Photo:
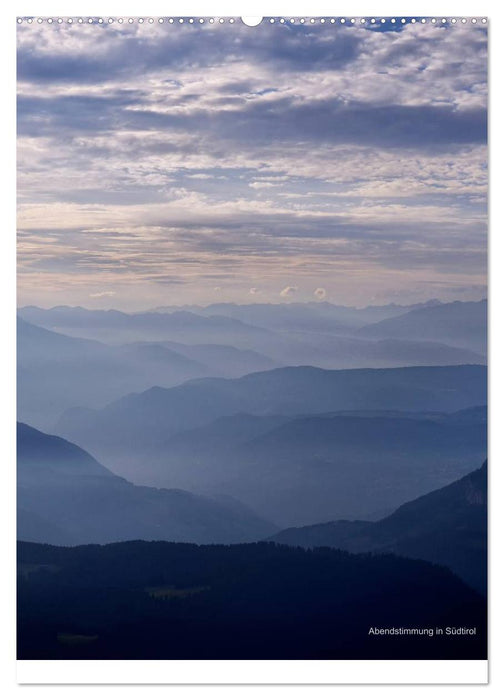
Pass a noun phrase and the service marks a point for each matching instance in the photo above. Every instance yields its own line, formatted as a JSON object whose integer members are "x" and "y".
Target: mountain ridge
{"x": 63, "y": 485}
{"x": 447, "y": 526}
{"x": 463, "y": 324}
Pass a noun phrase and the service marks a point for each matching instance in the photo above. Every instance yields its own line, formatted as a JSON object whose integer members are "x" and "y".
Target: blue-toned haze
{"x": 174, "y": 164}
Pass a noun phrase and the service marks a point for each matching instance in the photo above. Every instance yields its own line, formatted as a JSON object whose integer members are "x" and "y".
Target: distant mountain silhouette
{"x": 56, "y": 372}
{"x": 224, "y": 360}
{"x": 159, "y": 600}
{"x": 66, "y": 496}
{"x": 463, "y": 324}
{"x": 447, "y": 526}
{"x": 320, "y": 316}
{"x": 133, "y": 434}
{"x": 36, "y": 344}
{"x": 342, "y": 351}
{"x": 317, "y": 334}
{"x": 299, "y": 470}
{"x": 117, "y": 326}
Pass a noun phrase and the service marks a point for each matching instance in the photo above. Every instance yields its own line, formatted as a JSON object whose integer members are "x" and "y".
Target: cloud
{"x": 288, "y": 291}
{"x": 320, "y": 293}
{"x": 98, "y": 295}
{"x": 208, "y": 155}
{"x": 62, "y": 56}
{"x": 331, "y": 120}
{"x": 262, "y": 185}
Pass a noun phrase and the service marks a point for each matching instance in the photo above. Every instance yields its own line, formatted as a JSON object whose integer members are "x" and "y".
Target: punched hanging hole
{"x": 252, "y": 21}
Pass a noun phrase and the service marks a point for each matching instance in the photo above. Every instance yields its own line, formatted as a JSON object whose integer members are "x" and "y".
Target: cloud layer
{"x": 195, "y": 163}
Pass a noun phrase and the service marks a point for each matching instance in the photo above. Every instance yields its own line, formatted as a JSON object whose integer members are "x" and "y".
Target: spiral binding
{"x": 366, "y": 21}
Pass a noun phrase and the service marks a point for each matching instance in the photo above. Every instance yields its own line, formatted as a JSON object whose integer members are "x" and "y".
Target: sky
{"x": 198, "y": 163}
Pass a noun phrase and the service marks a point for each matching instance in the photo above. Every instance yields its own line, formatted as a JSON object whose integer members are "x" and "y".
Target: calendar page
{"x": 252, "y": 349}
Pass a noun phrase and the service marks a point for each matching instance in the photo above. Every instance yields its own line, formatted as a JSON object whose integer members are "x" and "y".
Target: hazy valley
{"x": 310, "y": 425}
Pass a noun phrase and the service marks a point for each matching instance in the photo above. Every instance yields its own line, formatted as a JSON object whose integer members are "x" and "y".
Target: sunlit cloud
{"x": 288, "y": 292}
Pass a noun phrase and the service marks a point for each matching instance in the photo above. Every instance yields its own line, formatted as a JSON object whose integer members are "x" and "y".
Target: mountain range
{"x": 320, "y": 316}
{"x": 142, "y": 437}
{"x": 57, "y": 371}
{"x": 320, "y": 334}
{"x": 447, "y": 526}
{"x": 295, "y": 470}
{"x": 66, "y": 497}
{"x": 119, "y": 327}
{"x": 462, "y": 324}
{"x": 350, "y": 433}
